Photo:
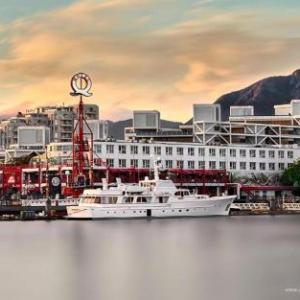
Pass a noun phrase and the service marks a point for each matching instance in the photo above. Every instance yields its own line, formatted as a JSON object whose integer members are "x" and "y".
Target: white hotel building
{"x": 245, "y": 145}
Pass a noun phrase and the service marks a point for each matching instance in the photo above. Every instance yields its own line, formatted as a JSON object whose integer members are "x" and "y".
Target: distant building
{"x": 147, "y": 126}
{"x": 9, "y": 130}
{"x": 18, "y": 133}
{"x": 29, "y": 139}
{"x": 99, "y": 129}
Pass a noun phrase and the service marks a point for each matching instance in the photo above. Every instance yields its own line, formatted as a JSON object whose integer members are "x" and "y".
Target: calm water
{"x": 255, "y": 257}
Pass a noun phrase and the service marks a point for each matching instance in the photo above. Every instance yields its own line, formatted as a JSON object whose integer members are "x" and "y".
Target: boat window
{"x": 163, "y": 199}
{"x": 112, "y": 200}
{"x": 141, "y": 199}
{"x": 182, "y": 193}
{"x": 90, "y": 200}
{"x": 128, "y": 199}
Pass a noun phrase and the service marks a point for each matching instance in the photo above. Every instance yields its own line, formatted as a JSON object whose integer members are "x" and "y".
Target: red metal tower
{"x": 82, "y": 163}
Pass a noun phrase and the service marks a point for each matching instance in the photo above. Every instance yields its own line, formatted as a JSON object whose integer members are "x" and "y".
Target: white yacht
{"x": 150, "y": 198}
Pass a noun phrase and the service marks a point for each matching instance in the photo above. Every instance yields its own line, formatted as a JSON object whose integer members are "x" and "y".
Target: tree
{"x": 291, "y": 175}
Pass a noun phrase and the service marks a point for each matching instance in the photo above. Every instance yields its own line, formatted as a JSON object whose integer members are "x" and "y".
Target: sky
{"x": 142, "y": 54}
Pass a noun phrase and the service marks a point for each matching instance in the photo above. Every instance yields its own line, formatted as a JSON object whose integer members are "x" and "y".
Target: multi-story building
{"x": 240, "y": 160}
{"x": 59, "y": 119}
{"x": 9, "y": 130}
{"x": 245, "y": 145}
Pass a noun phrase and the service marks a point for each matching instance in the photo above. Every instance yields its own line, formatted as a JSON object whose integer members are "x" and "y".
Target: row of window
{"x": 233, "y": 165}
{"x": 191, "y": 151}
{"x": 181, "y": 151}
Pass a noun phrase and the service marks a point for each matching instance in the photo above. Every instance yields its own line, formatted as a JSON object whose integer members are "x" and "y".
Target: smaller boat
{"x": 150, "y": 198}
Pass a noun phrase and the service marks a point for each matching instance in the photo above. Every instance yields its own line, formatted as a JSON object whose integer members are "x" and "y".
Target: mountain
{"x": 264, "y": 94}
{"x": 116, "y": 129}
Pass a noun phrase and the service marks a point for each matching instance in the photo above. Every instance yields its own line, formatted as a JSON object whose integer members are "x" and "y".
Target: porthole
{"x": 179, "y": 210}
{"x": 187, "y": 210}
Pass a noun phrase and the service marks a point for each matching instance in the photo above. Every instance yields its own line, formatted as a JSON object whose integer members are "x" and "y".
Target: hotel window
{"x": 281, "y": 166}
{"x": 201, "y": 164}
{"x": 271, "y": 166}
{"x": 157, "y": 150}
{"x": 222, "y": 152}
{"x": 271, "y": 153}
{"x": 169, "y": 151}
{"x": 110, "y": 162}
{"x": 191, "y": 164}
{"x": 242, "y": 153}
{"x": 169, "y": 164}
{"x": 242, "y": 165}
{"x": 290, "y": 154}
{"x": 146, "y": 163}
{"x": 232, "y": 152}
{"x": 262, "y": 166}
{"x": 252, "y": 153}
{"x": 133, "y": 149}
{"x": 262, "y": 153}
{"x": 232, "y": 165}
{"x": 179, "y": 151}
{"x": 122, "y": 149}
{"x": 252, "y": 166}
{"x": 98, "y": 148}
{"x": 122, "y": 163}
{"x": 179, "y": 164}
{"x": 134, "y": 163}
{"x": 191, "y": 151}
{"x": 146, "y": 150}
{"x": 222, "y": 165}
{"x": 281, "y": 154}
{"x": 212, "y": 165}
{"x": 212, "y": 152}
{"x": 289, "y": 165}
{"x": 201, "y": 151}
{"x": 110, "y": 149}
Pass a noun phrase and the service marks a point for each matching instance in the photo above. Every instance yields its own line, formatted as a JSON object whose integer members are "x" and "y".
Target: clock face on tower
{"x": 55, "y": 181}
{"x": 81, "y": 84}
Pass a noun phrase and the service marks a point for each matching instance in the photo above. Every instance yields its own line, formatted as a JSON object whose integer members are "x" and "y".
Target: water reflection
{"x": 208, "y": 258}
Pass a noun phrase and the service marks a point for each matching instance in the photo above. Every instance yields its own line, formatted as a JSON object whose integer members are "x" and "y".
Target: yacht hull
{"x": 214, "y": 206}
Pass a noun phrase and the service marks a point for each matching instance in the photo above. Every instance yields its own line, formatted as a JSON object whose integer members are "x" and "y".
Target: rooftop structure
{"x": 238, "y": 111}
{"x": 207, "y": 112}
{"x": 147, "y": 126}
{"x": 244, "y": 128}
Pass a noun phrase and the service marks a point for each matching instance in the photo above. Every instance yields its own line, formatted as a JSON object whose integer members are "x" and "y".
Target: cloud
{"x": 137, "y": 59}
